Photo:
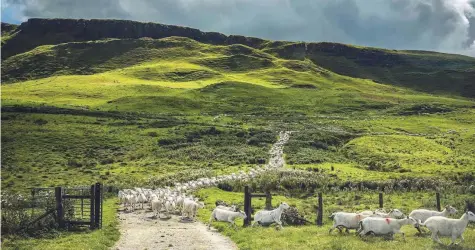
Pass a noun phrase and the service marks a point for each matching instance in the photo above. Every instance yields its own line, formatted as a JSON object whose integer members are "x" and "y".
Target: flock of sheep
{"x": 381, "y": 223}
{"x": 177, "y": 199}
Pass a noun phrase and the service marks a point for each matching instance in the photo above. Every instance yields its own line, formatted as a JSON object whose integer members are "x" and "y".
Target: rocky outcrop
{"x": 8, "y": 28}
{"x": 36, "y": 31}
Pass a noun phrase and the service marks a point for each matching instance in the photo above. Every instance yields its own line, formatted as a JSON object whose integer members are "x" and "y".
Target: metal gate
{"x": 80, "y": 206}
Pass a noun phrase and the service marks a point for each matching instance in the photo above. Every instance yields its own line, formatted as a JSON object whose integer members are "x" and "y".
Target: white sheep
{"x": 225, "y": 215}
{"x": 156, "y": 206}
{"x": 443, "y": 226}
{"x": 382, "y": 226}
{"x": 190, "y": 207}
{"x": 394, "y": 213}
{"x": 424, "y": 214}
{"x": 265, "y": 217}
{"x": 367, "y": 212}
{"x": 231, "y": 208}
{"x": 346, "y": 220}
{"x": 170, "y": 206}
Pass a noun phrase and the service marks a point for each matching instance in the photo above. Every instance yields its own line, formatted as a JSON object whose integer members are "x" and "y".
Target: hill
{"x": 126, "y": 102}
{"x": 430, "y": 72}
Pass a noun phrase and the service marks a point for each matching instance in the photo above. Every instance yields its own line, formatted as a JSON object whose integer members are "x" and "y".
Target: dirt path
{"x": 139, "y": 231}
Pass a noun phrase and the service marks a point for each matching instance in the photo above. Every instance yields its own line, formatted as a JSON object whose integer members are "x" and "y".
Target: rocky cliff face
{"x": 37, "y": 32}
{"x": 8, "y": 28}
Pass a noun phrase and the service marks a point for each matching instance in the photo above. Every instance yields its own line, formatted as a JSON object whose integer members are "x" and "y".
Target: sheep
{"x": 231, "y": 208}
{"x": 225, "y": 215}
{"x": 440, "y": 225}
{"x": 380, "y": 226}
{"x": 131, "y": 201}
{"x": 394, "y": 213}
{"x": 156, "y": 206}
{"x": 265, "y": 217}
{"x": 170, "y": 206}
{"x": 190, "y": 207}
{"x": 346, "y": 220}
{"x": 367, "y": 213}
{"x": 141, "y": 198}
{"x": 423, "y": 214}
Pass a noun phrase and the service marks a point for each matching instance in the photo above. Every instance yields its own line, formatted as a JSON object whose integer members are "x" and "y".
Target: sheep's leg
{"x": 347, "y": 230}
{"x": 209, "y": 223}
{"x": 418, "y": 227}
{"x": 362, "y": 233}
{"x": 435, "y": 237}
{"x": 461, "y": 239}
{"x": 454, "y": 238}
{"x": 331, "y": 229}
{"x": 280, "y": 224}
{"x": 256, "y": 223}
{"x": 403, "y": 235}
{"x": 232, "y": 223}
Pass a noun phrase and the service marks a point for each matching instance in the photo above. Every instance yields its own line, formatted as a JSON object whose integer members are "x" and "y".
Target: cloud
{"x": 441, "y": 25}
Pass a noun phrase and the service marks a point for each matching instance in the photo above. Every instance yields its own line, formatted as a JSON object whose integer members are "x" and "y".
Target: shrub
{"x": 291, "y": 216}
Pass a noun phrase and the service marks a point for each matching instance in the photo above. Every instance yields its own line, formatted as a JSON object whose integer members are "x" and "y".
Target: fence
{"x": 248, "y": 200}
{"x": 70, "y": 206}
{"x": 319, "y": 209}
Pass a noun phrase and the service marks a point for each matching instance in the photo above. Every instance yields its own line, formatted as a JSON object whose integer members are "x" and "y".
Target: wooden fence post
{"x": 247, "y": 206}
{"x": 320, "y": 210}
{"x": 91, "y": 211}
{"x": 268, "y": 201}
{"x": 97, "y": 205}
{"x": 381, "y": 200}
{"x": 59, "y": 206}
{"x": 437, "y": 197}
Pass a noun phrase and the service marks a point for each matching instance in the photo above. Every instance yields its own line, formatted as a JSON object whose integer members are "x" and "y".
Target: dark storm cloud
{"x": 443, "y": 25}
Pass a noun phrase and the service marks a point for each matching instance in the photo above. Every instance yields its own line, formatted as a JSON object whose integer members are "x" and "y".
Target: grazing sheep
{"x": 346, "y": 220}
{"x": 265, "y": 217}
{"x": 443, "y": 226}
{"x": 424, "y": 214}
{"x": 381, "y": 226}
{"x": 225, "y": 215}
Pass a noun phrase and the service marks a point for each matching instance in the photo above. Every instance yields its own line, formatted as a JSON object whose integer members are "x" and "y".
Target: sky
{"x": 438, "y": 25}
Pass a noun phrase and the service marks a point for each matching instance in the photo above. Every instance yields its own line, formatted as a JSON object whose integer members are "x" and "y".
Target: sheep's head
{"x": 451, "y": 209}
{"x": 471, "y": 216}
{"x": 284, "y": 205}
{"x": 396, "y": 213}
{"x": 411, "y": 220}
{"x": 201, "y": 204}
{"x": 242, "y": 215}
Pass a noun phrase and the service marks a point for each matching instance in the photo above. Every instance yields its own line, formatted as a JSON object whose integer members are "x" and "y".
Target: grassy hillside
{"x": 124, "y": 110}
{"x": 128, "y": 110}
{"x": 32, "y": 42}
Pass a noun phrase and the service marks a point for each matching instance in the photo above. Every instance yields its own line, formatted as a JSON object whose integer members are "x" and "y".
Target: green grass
{"x": 313, "y": 237}
{"x": 148, "y": 112}
{"x": 96, "y": 239}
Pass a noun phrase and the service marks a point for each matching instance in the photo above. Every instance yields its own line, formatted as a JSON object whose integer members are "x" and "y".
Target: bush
{"x": 16, "y": 215}
{"x": 292, "y": 217}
